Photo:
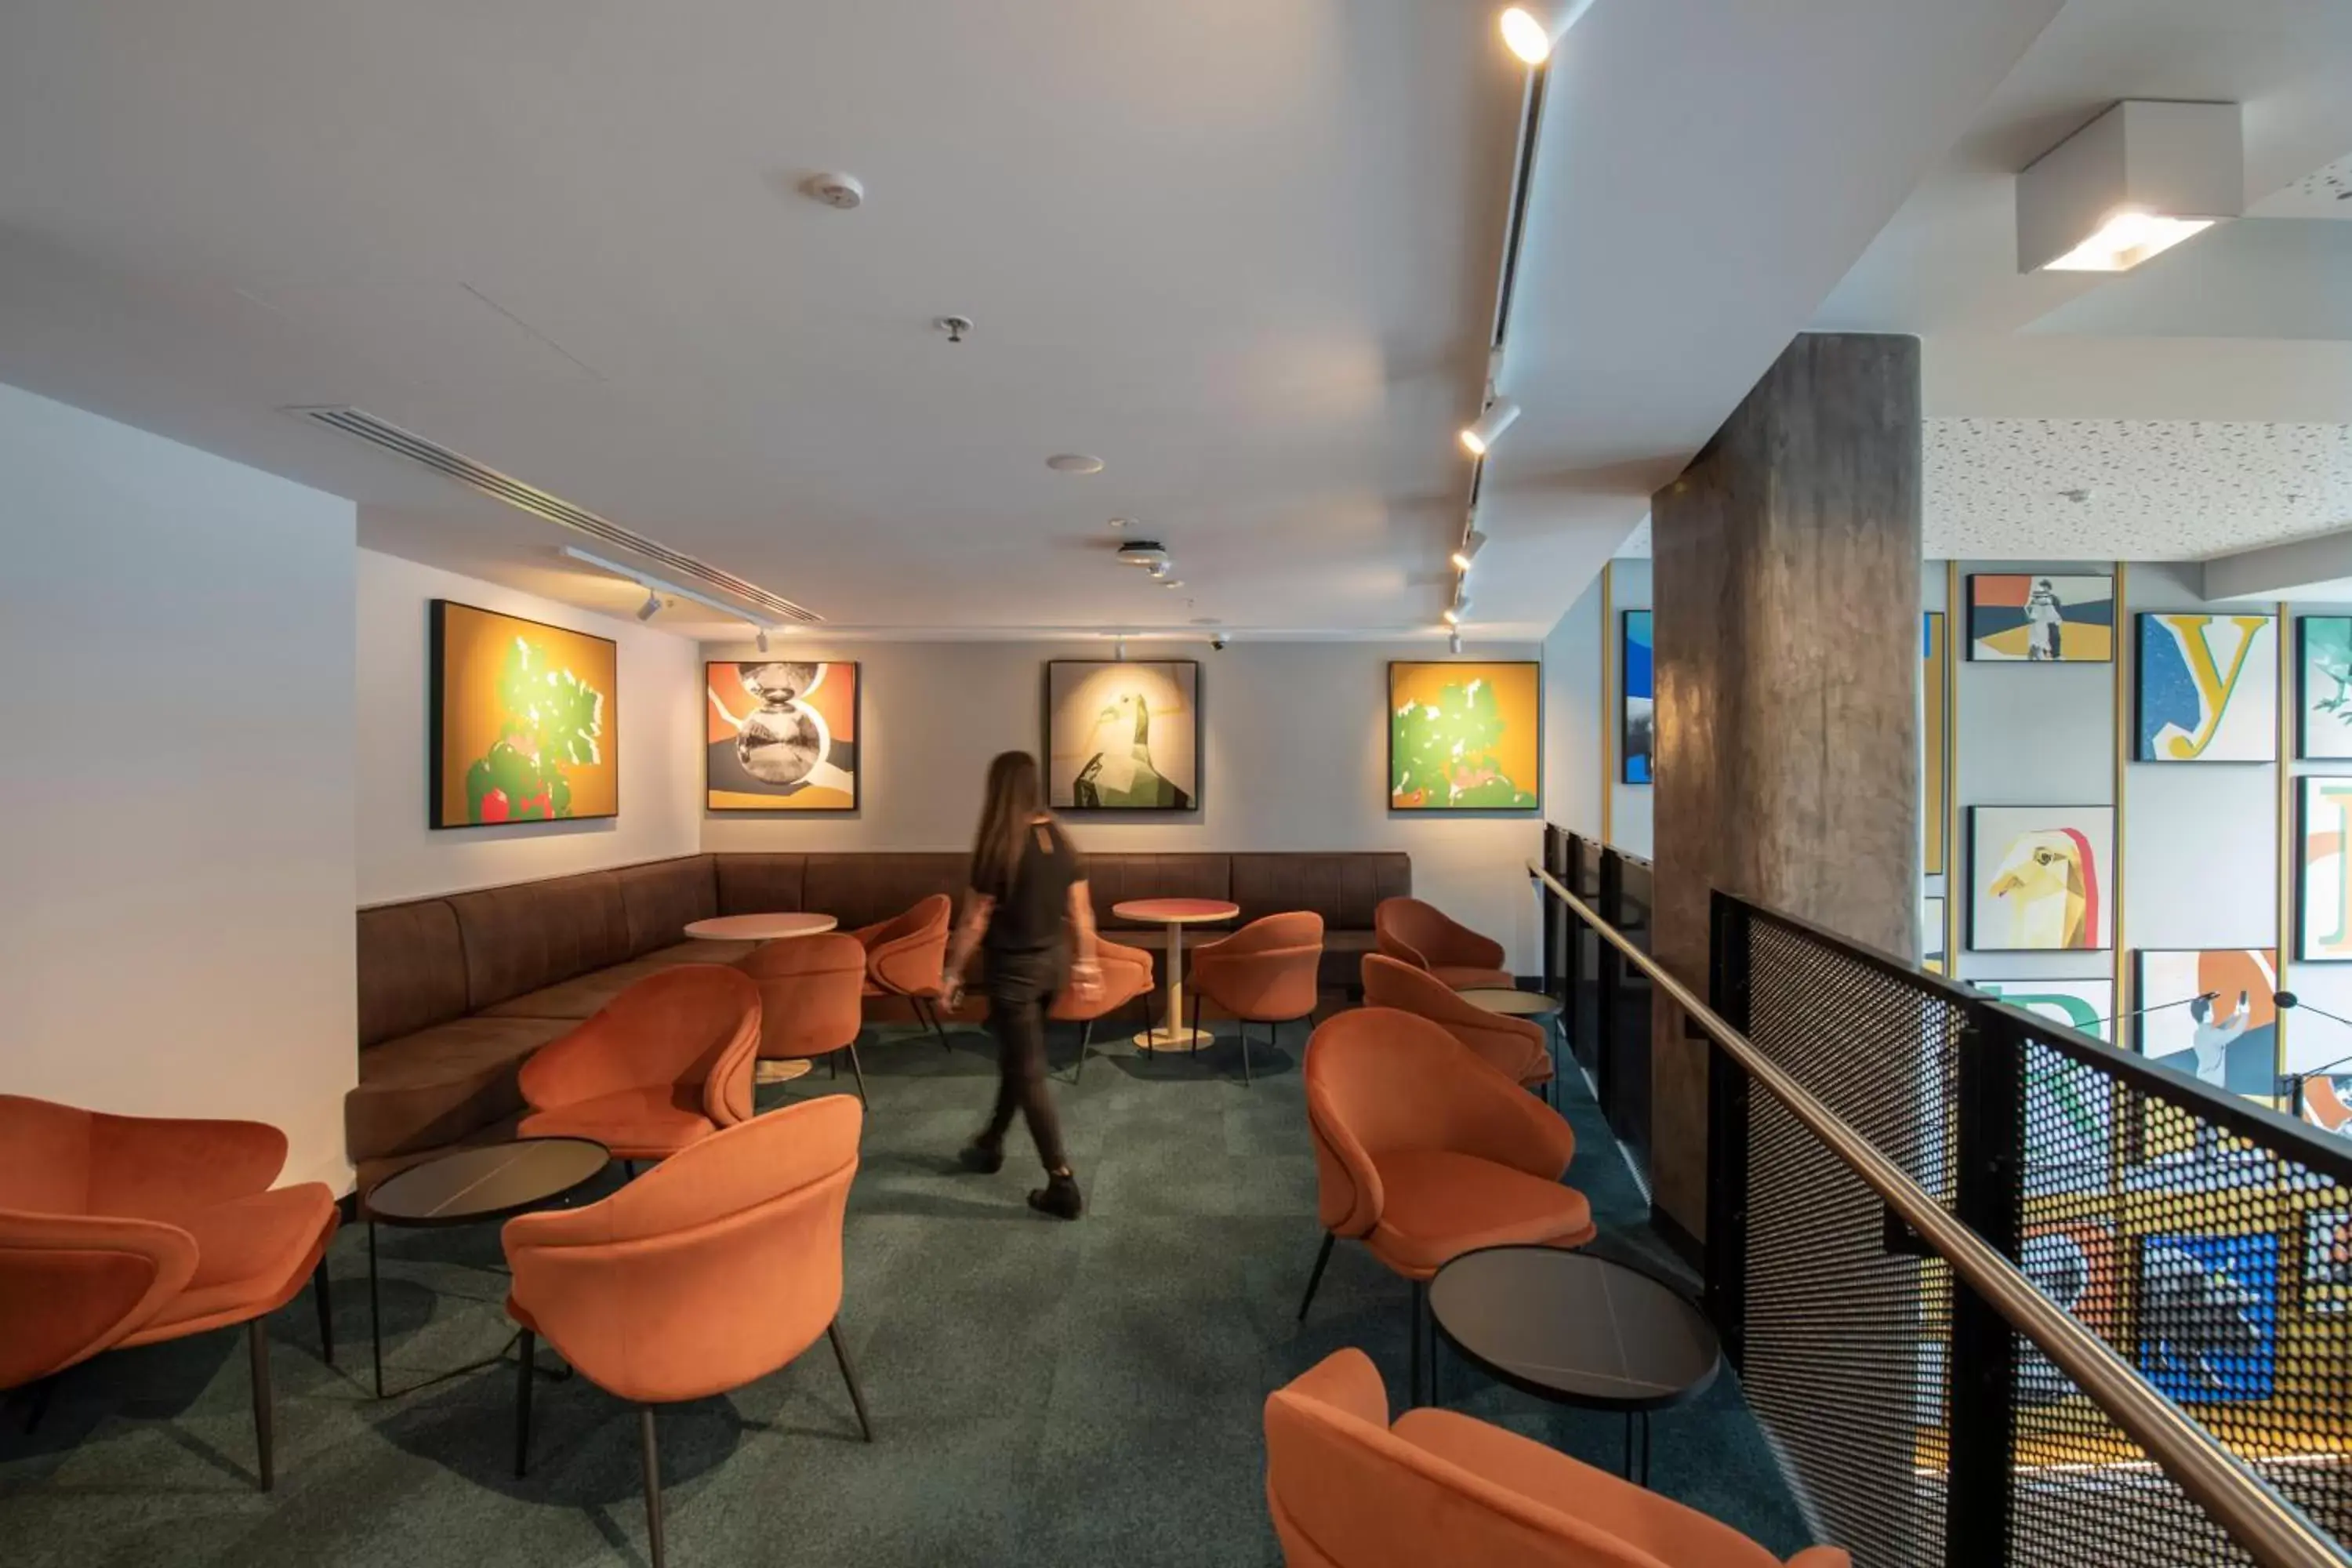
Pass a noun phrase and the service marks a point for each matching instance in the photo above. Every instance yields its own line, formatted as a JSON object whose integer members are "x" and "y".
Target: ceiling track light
{"x": 1533, "y": 31}
{"x": 1500, "y": 415}
{"x": 1454, "y": 641}
{"x": 1472, "y": 542}
{"x": 656, "y": 587}
{"x": 651, "y": 607}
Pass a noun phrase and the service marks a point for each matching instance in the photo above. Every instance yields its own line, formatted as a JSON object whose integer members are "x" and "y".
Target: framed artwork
{"x": 522, "y": 719}
{"x": 2209, "y": 1317}
{"x": 2208, "y": 689}
{"x": 2028, "y": 618}
{"x": 2083, "y": 1004}
{"x": 1465, "y": 735}
{"x": 2230, "y": 1042}
{"x": 1123, "y": 734}
{"x": 2038, "y": 878}
{"x": 1934, "y": 746}
{"x": 1931, "y": 935}
{"x": 2078, "y": 1265}
{"x": 2326, "y": 1260}
{"x": 1638, "y": 679}
{"x": 780, "y": 735}
{"x": 2323, "y": 661}
{"x": 2323, "y": 893}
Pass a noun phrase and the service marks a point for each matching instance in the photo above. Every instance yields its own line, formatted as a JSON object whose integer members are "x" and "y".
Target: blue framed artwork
{"x": 2209, "y": 1317}
{"x": 1637, "y": 677}
{"x": 2208, "y": 689}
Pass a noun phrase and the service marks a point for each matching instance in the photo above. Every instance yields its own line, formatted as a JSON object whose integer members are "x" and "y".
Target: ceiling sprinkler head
{"x": 956, "y": 327}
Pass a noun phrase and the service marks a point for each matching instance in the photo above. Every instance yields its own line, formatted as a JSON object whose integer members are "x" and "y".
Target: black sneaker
{"x": 1059, "y": 1197}
{"x": 984, "y": 1156}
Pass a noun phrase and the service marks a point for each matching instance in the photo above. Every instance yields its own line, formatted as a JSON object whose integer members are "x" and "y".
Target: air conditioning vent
{"x": 400, "y": 443}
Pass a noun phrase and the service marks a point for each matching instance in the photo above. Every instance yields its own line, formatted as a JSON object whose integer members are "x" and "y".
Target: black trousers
{"x": 1021, "y": 987}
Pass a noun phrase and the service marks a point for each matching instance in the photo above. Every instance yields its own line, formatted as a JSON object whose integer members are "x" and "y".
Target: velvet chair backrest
{"x": 1126, "y": 974}
{"x": 1266, "y": 970}
{"x": 905, "y": 955}
{"x": 1393, "y": 982}
{"x": 1359, "y": 1496}
{"x": 812, "y": 993}
{"x": 1424, "y": 936}
{"x": 712, "y": 1269}
{"x": 696, "y": 1024}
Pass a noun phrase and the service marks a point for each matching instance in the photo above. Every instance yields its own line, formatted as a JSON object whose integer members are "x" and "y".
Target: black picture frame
{"x": 2140, "y": 700}
{"x": 435, "y": 729}
{"x": 2303, "y": 752}
{"x": 1191, "y": 808}
{"x": 857, "y": 723}
{"x": 1625, "y": 698}
{"x": 1387, "y": 724}
{"x": 1968, "y": 617}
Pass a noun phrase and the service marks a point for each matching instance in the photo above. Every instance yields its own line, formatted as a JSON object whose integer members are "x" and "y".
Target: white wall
{"x": 1295, "y": 756}
{"x": 660, "y": 711}
{"x": 1581, "y": 705}
{"x": 176, "y": 781}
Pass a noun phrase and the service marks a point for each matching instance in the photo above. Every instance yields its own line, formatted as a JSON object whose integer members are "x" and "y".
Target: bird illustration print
{"x": 2052, "y": 884}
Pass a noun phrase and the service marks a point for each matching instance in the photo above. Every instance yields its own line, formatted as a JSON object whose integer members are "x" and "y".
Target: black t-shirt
{"x": 1029, "y": 914}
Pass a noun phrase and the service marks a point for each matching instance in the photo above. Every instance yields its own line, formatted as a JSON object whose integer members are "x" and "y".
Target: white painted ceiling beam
{"x": 2300, "y": 568}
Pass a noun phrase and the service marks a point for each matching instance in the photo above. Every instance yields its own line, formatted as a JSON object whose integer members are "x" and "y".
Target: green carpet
{"x": 1043, "y": 1392}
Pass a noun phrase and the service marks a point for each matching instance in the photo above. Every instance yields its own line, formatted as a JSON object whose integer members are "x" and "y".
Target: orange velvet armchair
{"x": 127, "y": 1230}
{"x": 1513, "y": 1047}
{"x": 666, "y": 1064}
{"x": 1126, "y": 976}
{"x": 711, "y": 1271}
{"x": 1262, "y": 973}
{"x": 1422, "y": 935}
{"x": 812, "y": 998}
{"x": 904, "y": 956}
{"x": 1348, "y": 1490}
{"x": 1422, "y": 1152}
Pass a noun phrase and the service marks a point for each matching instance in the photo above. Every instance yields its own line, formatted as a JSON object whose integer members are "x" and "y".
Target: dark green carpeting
{"x": 1041, "y": 1392}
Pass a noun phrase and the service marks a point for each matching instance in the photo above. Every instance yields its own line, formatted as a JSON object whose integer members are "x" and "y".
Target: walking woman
{"x": 1030, "y": 913}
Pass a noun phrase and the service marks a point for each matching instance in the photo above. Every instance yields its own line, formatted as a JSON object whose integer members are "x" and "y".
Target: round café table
{"x": 1175, "y": 914}
{"x": 1577, "y": 1330}
{"x": 473, "y": 1186}
{"x": 777, "y": 927}
{"x": 1512, "y": 1003}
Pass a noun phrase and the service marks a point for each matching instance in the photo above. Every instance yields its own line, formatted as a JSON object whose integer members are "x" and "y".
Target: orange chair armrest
{"x": 145, "y": 1165}
{"x": 1344, "y": 1380}
{"x": 1350, "y": 1195}
{"x": 1505, "y": 1124}
{"x": 911, "y": 965}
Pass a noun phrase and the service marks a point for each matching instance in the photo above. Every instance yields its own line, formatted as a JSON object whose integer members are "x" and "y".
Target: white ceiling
{"x": 1242, "y": 249}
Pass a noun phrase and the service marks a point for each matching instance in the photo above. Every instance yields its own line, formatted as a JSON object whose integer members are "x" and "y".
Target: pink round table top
{"x": 1176, "y": 911}
{"x": 759, "y": 928}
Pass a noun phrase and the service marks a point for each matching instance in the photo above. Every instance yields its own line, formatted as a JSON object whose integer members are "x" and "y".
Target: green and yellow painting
{"x": 524, "y": 725}
{"x": 1466, "y": 736}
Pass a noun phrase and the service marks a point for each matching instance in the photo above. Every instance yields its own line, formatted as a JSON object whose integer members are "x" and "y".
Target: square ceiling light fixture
{"x": 2136, "y": 181}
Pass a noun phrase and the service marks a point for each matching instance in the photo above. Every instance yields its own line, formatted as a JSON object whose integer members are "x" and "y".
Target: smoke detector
{"x": 843, "y": 191}
{"x": 1146, "y": 554}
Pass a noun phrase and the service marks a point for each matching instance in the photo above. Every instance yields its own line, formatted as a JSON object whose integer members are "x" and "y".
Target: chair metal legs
{"x": 1086, "y": 1044}
{"x": 850, "y": 1376}
{"x": 1322, "y": 1256}
{"x": 1422, "y": 1351}
{"x": 526, "y": 1352}
{"x": 326, "y": 1311}
{"x": 928, "y": 1013}
{"x": 653, "y": 1484}
{"x": 256, "y": 1336}
{"x": 855, "y": 1065}
{"x": 1246, "y": 1067}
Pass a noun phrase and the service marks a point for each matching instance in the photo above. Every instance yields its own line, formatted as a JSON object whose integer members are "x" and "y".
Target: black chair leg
{"x": 629, "y": 1169}
{"x": 1419, "y": 1338}
{"x": 1086, "y": 1044}
{"x": 856, "y": 1067}
{"x": 653, "y": 1484}
{"x": 1322, "y": 1256}
{"x": 526, "y": 1352}
{"x": 326, "y": 1311}
{"x": 850, "y": 1376}
{"x": 1246, "y": 1080}
{"x": 375, "y": 1313}
{"x": 1195, "y": 1042}
{"x": 37, "y": 1405}
{"x": 256, "y": 1335}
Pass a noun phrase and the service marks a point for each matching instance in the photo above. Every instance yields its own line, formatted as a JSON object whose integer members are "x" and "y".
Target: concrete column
{"x": 1786, "y": 613}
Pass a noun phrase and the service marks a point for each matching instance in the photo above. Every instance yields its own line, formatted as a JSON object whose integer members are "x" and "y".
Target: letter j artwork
{"x": 2208, "y": 689}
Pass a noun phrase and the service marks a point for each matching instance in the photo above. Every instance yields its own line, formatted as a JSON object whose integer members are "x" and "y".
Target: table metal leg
{"x": 375, "y": 1313}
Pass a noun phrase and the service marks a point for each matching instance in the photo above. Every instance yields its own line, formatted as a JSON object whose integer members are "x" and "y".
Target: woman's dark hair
{"x": 1013, "y": 801}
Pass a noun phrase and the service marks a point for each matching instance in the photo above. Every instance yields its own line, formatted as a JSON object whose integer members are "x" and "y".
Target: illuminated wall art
{"x": 2209, "y": 1317}
{"x": 2208, "y": 689}
{"x": 780, "y": 735}
{"x": 1123, "y": 735}
{"x": 523, "y": 721}
{"x": 1465, "y": 735}
{"x": 2039, "y": 878}
{"x": 1638, "y": 678}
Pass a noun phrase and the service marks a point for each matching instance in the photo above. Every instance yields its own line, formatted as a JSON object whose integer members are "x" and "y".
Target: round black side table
{"x": 475, "y": 1186}
{"x": 1578, "y": 1331}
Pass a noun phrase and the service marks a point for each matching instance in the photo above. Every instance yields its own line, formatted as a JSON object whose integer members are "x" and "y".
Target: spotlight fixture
{"x": 1454, "y": 641}
{"x": 1219, "y": 641}
{"x": 1472, "y": 542}
{"x": 1172, "y": 581}
{"x": 1118, "y": 649}
{"x": 2132, "y": 184}
{"x": 1532, "y": 31}
{"x": 1146, "y": 554}
{"x": 761, "y": 641}
{"x": 1075, "y": 463}
{"x": 1499, "y": 416}
{"x": 656, "y": 587}
{"x": 651, "y": 607}
{"x": 1455, "y": 611}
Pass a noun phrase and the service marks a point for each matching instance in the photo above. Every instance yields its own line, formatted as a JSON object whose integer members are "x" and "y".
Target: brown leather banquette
{"x": 455, "y": 991}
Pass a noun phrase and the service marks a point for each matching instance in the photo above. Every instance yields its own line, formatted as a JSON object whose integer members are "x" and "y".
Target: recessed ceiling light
{"x": 2132, "y": 184}
{"x": 1172, "y": 581}
{"x": 1118, "y": 523}
{"x": 1074, "y": 463}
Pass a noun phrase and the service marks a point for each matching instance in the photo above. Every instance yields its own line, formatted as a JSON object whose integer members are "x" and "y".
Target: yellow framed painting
{"x": 523, "y": 719}
{"x": 1465, "y": 735}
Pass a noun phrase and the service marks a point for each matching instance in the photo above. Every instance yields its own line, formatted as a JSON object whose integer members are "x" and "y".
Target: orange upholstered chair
{"x": 1262, "y": 973}
{"x": 1513, "y": 1047}
{"x": 1420, "y": 934}
{"x": 708, "y": 1272}
{"x": 1424, "y": 1153}
{"x": 125, "y": 1230}
{"x": 1348, "y": 1490}
{"x": 905, "y": 955}
{"x": 1126, "y": 976}
{"x": 666, "y": 1064}
{"x": 812, "y": 998}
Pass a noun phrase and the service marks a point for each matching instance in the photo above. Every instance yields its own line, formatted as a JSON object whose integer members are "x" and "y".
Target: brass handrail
{"x": 2276, "y": 1532}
